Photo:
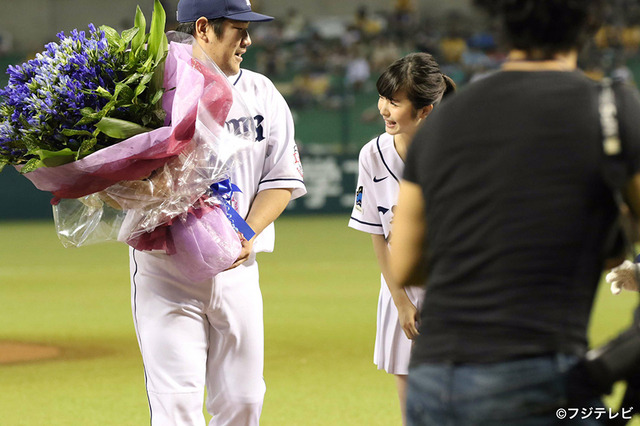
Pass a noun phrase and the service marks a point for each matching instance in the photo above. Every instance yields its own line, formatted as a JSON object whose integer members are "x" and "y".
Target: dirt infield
{"x": 17, "y": 352}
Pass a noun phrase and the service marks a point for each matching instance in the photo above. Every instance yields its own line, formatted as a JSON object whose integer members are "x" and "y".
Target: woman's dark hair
{"x": 542, "y": 28}
{"x": 190, "y": 27}
{"x": 418, "y": 76}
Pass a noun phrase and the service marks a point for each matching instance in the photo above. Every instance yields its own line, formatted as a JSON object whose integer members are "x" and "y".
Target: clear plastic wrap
{"x": 173, "y": 209}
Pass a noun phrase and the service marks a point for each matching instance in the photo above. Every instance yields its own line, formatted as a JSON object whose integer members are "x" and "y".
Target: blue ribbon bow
{"x": 224, "y": 190}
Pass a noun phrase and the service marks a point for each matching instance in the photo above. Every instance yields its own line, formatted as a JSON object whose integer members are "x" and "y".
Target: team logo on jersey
{"x": 359, "y": 199}
{"x": 242, "y": 125}
{"x": 376, "y": 180}
{"x": 382, "y": 210}
{"x": 296, "y": 159}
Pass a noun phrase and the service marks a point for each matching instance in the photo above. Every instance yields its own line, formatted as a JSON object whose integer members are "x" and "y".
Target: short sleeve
{"x": 364, "y": 216}
{"x": 282, "y": 166}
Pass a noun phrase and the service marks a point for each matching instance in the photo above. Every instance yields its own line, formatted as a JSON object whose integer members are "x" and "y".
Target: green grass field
{"x": 320, "y": 290}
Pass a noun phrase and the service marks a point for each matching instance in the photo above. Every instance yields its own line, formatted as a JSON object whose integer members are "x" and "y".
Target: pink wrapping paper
{"x": 205, "y": 245}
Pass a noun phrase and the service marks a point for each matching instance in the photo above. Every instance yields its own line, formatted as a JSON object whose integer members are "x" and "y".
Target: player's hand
{"x": 624, "y": 276}
{"x": 408, "y": 318}
{"x": 247, "y": 247}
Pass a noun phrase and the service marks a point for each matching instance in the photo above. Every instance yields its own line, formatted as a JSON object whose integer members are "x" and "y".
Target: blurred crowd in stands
{"x": 315, "y": 63}
{"x": 322, "y": 62}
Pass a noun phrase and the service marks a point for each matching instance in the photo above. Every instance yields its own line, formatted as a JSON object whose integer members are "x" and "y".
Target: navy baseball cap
{"x": 239, "y": 10}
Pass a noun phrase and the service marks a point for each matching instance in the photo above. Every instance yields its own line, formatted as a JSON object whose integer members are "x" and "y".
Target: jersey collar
{"x": 233, "y": 79}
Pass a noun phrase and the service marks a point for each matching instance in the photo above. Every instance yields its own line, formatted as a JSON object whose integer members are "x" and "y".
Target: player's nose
{"x": 246, "y": 39}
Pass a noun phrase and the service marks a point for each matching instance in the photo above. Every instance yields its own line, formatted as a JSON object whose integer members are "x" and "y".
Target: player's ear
{"x": 202, "y": 24}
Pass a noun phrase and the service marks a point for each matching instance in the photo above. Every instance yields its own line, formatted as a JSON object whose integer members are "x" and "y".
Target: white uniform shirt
{"x": 273, "y": 161}
{"x": 380, "y": 170}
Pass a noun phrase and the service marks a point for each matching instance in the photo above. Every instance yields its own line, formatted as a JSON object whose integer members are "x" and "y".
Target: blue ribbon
{"x": 224, "y": 190}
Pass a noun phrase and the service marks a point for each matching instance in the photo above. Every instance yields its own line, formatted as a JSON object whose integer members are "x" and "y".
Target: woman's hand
{"x": 408, "y": 318}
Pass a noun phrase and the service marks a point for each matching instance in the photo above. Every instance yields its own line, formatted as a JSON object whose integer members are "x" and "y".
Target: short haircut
{"x": 190, "y": 27}
{"x": 543, "y": 28}
{"x": 418, "y": 76}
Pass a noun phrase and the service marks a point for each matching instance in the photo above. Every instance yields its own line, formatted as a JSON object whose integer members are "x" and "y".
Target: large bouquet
{"x": 127, "y": 132}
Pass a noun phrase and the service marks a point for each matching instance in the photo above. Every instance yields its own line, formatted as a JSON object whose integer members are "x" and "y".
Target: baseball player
{"x": 209, "y": 334}
{"x": 409, "y": 88}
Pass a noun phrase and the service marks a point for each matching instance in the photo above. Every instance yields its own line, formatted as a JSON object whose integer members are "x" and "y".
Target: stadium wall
{"x": 330, "y": 180}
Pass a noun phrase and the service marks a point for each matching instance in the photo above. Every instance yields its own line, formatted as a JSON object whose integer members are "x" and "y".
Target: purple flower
{"x": 55, "y": 101}
{"x": 46, "y": 95}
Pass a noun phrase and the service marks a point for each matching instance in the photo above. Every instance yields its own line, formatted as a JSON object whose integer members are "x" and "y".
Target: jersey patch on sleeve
{"x": 359, "y": 199}
{"x": 296, "y": 159}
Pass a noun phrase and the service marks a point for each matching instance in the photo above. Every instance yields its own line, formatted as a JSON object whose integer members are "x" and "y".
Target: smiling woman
{"x": 409, "y": 89}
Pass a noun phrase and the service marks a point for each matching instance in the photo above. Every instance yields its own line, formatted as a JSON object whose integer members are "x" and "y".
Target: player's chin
{"x": 234, "y": 69}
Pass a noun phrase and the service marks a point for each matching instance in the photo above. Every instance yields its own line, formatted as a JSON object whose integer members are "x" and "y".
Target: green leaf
{"x": 87, "y": 144}
{"x": 55, "y": 158}
{"x": 132, "y": 78}
{"x": 158, "y": 43}
{"x": 156, "y": 97}
{"x": 101, "y": 91}
{"x": 141, "y": 24}
{"x": 31, "y": 165}
{"x": 157, "y": 82}
{"x": 138, "y": 55}
{"x": 120, "y": 129}
{"x": 2, "y": 164}
{"x": 88, "y": 112}
{"x": 146, "y": 78}
{"x": 30, "y": 142}
{"x": 160, "y": 115}
{"x": 113, "y": 37}
{"x": 89, "y": 115}
{"x": 163, "y": 51}
{"x": 146, "y": 119}
{"x": 107, "y": 108}
{"x": 128, "y": 35}
{"x": 139, "y": 90}
{"x": 87, "y": 120}
{"x": 125, "y": 94}
{"x": 147, "y": 66}
{"x": 73, "y": 132}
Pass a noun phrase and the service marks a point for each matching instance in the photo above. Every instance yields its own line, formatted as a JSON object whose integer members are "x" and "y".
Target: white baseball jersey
{"x": 379, "y": 174}
{"x": 193, "y": 335}
{"x": 274, "y": 161}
